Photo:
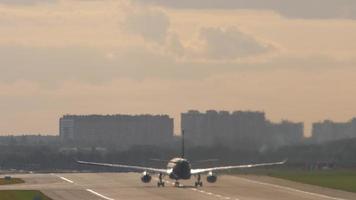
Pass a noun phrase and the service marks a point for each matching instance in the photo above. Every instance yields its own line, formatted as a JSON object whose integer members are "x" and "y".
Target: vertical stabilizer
{"x": 182, "y": 144}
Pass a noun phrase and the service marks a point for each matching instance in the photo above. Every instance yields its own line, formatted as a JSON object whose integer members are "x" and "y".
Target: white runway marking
{"x": 99, "y": 195}
{"x": 203, "y": 192}
{"x": 292, "y": 189}
{"x": 212, "y": 194}
{"x": 65, "y": 179}
{"x": 89, "y": 190}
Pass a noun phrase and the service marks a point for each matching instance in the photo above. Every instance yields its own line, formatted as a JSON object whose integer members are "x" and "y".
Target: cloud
{"x": 175, "y": 45}
{"x": 50, "y": 66}
{"x": 26, "y": 2}
{"x": 230, "y": 43}
{"x": 151, "y": 24}
{"x": 313, "y": 9}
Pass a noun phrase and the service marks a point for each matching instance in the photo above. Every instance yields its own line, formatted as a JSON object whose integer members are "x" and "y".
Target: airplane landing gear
{"x": 176, "y": 184}
{"x": 199, "y": 182}
{"x": 160, "y": 182}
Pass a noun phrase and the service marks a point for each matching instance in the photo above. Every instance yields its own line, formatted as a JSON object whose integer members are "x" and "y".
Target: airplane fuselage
{"x": 179, "y": 169}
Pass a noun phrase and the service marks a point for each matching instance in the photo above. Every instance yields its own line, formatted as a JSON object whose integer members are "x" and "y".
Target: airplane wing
{"x": 154, "y": 170}
{"x": 199, "y": 171}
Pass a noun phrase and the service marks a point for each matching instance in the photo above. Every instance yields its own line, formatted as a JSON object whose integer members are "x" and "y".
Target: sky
{"x": 294, "y": 60}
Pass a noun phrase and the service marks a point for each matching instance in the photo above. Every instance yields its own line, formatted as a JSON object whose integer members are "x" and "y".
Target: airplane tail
{"x": 182, "y": 144}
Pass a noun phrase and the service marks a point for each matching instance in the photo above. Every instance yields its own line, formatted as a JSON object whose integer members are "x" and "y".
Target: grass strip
{"x": 22, "y": 195}
{"x": 11, "y": 181}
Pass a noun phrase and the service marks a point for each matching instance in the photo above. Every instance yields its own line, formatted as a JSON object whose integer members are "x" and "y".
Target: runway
{"x": 119, "y": 186}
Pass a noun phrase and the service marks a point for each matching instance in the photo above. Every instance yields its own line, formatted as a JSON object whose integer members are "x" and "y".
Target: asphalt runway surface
{"x": 117, "y": 186}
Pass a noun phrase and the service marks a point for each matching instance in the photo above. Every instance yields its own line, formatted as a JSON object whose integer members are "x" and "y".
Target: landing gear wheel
{"x": 198, "y": 184}
{"x": 176, "y": 184}
{"x": 159, "y": 184}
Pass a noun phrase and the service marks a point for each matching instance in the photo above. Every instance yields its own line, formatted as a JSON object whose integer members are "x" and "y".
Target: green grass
{"x": 11, "y": 181}
{"x": 342, "y": 180}
{"x": 22, "y": 195}
{"x": 336, "y": 179}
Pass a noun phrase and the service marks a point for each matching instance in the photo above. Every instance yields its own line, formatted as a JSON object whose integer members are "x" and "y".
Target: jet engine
{"x": 146, "y": 177}
{"x": 211, "y": 178}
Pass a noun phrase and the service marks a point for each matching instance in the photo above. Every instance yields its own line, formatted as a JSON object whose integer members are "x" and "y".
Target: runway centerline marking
{"x": 99, "y": 195}
{"x": 292, "y": 189}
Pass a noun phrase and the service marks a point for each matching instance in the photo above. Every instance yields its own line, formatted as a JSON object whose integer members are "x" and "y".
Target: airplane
{"x": 179, "y": 168}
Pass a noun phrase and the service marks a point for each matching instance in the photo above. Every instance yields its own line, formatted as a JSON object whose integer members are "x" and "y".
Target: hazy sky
{"x": 293, "y": 59}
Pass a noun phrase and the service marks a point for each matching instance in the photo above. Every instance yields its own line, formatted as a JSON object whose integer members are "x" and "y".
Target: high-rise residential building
{"x": 329, "y": 131}
{"x": 239, "y": 129}
{"x": 286, "y": 133}
{"x": 121, "y": 131}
